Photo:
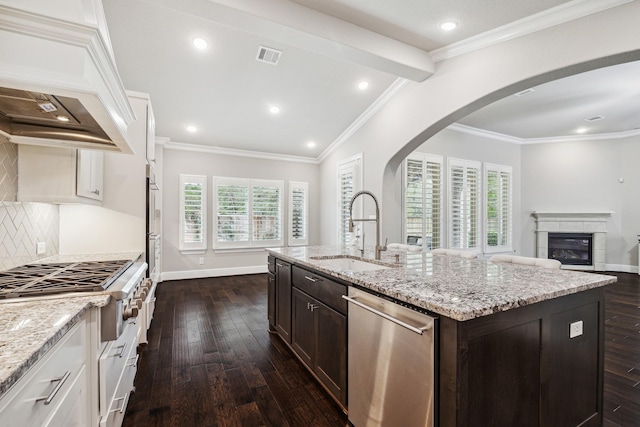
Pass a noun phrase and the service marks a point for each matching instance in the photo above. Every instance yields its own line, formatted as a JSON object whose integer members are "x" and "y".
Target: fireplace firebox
{"x": 571, "y": 248}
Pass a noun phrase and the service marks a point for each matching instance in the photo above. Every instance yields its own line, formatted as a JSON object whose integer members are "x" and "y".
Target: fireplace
{"x": 565, "y": 224}
{"x": 571, "y": 248}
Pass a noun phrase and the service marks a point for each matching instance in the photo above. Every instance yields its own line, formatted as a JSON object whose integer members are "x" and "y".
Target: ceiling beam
{"x": 291, "y": 23}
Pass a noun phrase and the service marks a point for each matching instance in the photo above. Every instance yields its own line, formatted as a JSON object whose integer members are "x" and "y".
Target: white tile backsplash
{"x": 23, "y": 225}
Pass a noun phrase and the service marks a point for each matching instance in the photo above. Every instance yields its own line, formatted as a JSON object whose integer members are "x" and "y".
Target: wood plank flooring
{"x": 211, "y": 362}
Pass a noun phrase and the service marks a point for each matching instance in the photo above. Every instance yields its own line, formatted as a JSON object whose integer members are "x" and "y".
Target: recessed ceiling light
{"x": 448, "y": 25}
{"x": 311, "y": 144}
{"x": 581, "y": 130}
{"x": 200, "y": 43}
{"x": 363, "y": 85}
{"x": 274, "y": 109}
{"x": 191, "y": 128}
{"x": 62, "y": 118}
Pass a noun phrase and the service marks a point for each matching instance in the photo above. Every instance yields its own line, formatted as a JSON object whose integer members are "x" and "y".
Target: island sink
{"x": 345, "y": 264}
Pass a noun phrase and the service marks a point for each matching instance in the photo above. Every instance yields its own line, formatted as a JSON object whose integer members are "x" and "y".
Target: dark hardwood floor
{"x": 211, "y": 362}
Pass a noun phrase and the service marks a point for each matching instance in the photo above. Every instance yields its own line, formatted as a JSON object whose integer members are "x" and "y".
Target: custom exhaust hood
{"x": 58, "y": 81}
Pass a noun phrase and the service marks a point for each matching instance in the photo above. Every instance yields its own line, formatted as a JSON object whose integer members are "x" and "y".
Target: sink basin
{"x": 348, "y": 264}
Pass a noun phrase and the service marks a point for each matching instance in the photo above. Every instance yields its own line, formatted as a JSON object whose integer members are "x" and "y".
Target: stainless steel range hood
{"x": 58, "y": 80}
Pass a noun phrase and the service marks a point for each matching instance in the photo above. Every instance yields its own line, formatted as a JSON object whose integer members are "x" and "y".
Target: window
{"x": 298, "y": 213}
{"x": 193, "y": 213}
{"x": 497, "y": 208}
{"x": 464, "y": 204}
{"x": 248, "y": 213}
{"x": 423, "y": 200}
{"x": 349, "y": 183}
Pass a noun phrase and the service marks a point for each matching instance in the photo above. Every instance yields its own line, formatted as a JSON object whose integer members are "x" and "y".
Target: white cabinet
{"x": 59, "y": 175}
{"x": 56, "y": 391}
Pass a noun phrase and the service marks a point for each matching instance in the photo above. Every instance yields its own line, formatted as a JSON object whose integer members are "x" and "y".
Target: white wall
{"x": 583, "y": 176}
{"x": 464, "y": 84}
{"x": 176, "y": 265}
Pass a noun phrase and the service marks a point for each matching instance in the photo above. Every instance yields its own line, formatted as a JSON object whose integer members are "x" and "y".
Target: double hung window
{"x": 498, "y": 182}
{"x": 464, "y": 204}
{"x": 193, "y": 213}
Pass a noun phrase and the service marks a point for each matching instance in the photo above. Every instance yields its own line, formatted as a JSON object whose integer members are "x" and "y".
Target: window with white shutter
{"x": 248, "y": 213}
{"x": 498, "y": 213}
{"x": 193, "y": 213}
{"x": 349, "y": 183}
{"x": 298, "y": 213}
{"x": 464, "y": 204}
{"x": 423, "y": 200}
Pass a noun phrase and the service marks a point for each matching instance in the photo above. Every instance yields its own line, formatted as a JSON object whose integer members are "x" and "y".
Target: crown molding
{"x": 548, "y": 18}
{"x": 363, "y": 118}
{"x": 172, "y": 145}
{"x": 546, "y": 140}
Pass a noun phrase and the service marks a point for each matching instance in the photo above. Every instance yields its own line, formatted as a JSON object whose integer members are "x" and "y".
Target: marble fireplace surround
{"x": 573, "y": 222}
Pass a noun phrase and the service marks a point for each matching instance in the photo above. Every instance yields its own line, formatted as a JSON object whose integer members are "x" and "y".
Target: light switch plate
{"x": 41, "y": 248}
{"x": 575, "y": 329}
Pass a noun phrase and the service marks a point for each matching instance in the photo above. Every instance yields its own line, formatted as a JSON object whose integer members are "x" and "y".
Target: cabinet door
{"x": 271, "y": 299}
{"x": 90, "y": 169}
{"x": 283, "y": 299}
{"x": 331, "y": 353}
{"x": 303, "y": 335}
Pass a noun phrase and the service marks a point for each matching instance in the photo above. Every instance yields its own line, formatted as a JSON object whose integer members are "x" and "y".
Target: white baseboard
{"x": 621, "y": 268}
{"x": 212, "y": 272}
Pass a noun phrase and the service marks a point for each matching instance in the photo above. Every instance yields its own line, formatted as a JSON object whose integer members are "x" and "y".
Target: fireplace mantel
{"x": 573, "y": 222}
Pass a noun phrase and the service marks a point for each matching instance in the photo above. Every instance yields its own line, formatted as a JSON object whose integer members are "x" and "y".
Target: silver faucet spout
{"x": 377, "y": 219}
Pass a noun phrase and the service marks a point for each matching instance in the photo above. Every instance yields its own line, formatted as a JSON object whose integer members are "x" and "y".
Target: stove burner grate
{"x": 47, "y": 279}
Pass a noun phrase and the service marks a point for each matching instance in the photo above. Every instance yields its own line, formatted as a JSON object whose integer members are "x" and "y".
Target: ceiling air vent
{"x": 268, "y": 55}
{"x": 594, "y": 118}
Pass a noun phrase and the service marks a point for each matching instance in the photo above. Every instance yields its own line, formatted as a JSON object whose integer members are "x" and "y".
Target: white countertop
{"x": 461, "y": 289}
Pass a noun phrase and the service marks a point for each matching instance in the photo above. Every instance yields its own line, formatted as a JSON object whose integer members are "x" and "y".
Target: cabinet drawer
{"x": 39, "y": 394}
{"x": 114, "y": 412}
{"x": 112, "y": 363}
{"x": 325, "y": 290}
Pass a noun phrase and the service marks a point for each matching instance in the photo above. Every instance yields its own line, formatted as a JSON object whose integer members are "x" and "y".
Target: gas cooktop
{"x": 47, "y": 279}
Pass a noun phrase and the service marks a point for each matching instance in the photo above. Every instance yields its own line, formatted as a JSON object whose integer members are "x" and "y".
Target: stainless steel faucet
{"x": 377, "y": 220}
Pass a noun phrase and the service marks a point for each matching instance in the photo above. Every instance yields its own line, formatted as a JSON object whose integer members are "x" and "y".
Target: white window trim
{"x": 193, "y": 247}
{"x": 304, "y": 186}
{"x": 355, "y": 163}
{"x": 491, "y": 167}
{"x": 467, "y": 164}
{"x": 251, "y": 183}
{"x": 424, "y": 158}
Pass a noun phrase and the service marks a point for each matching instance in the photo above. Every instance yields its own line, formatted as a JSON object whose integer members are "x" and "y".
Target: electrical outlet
{"x": 201, "y": 261}
{"x": 41, "y": 248}
{"x": 575, "y": 329}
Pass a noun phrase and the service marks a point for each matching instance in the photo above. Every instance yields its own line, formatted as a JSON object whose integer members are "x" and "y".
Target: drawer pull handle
{"x": 279, "y": 265}
{"x": 311, "y": 306}
{"x": 124, "y": 399}
{"x": 135, "y": 361}
{"x": 122, "y": 348}
{"x": 311, "y": 279}
{"x": 48, "y": 399}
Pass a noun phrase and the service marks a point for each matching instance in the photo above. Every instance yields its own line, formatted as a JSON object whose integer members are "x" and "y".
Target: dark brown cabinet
{"x": 283, "y": 299}
{"x": 271, "y": 300}
{"x": 319, "y": 332}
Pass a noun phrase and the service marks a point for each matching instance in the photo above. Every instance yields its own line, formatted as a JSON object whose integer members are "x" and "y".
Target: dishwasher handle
{"x": 417, "y": 330}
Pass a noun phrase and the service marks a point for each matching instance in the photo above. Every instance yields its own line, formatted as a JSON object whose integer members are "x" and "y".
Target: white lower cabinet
{"x": 118, "y": 365}
{"x": 56, "y": 391}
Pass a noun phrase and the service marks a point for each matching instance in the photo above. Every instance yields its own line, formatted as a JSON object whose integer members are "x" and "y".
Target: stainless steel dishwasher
{"x": 391, "y": 363}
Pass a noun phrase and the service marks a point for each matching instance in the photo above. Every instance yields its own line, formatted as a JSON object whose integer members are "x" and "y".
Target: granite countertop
{"x": 458, "y": 288}
{"x": 30, "y": 327}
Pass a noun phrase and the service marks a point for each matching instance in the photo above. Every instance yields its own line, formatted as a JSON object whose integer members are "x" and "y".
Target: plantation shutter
{"x": 423, "y": 200}
{"x": 193, "y": 235}
{"x": 349, "y": 180}
{"x": 498, "y": 214}
{"x": 464, "y": 203}
{"x": 266, "y": 210}
{"x": 232, "y": 211}
{"x": 298, "y": 213}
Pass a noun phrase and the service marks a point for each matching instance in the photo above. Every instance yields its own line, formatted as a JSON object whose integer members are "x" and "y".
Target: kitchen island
{"x": 516, "y": 345}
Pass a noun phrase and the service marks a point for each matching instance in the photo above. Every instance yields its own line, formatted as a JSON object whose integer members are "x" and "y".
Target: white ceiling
{"x": 226, "y": 93}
